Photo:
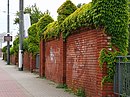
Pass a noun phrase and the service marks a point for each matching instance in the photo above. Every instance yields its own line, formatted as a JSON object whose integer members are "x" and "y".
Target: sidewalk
{"x": 14, "y": 83}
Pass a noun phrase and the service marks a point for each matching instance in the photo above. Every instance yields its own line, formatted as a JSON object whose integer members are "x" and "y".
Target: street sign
{"x": 7, "y": 38}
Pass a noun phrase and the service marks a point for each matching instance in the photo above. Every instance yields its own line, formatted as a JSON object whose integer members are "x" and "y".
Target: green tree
{"x": 35, "y": 14}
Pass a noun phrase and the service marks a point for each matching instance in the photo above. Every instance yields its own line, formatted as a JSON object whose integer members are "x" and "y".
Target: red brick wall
{"x": 32, "y": 62}
{"x": 11, "y": 59}
{"x": 82, "y": 67}
{"x": 75, "y": 62}
{"x": 42, "y": 59}
{"x": 29, "y": 61}
{"x": 26, "y": 61}
{"x": 54, "y": 65}
{"x": 14, "y": 59}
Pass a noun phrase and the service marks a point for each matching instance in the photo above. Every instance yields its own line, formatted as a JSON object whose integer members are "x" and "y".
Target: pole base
{"x": 7, "y": 64}
{"x": 20, "y": 69}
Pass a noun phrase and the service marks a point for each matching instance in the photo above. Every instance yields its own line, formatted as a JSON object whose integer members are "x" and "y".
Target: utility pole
{"x": 8, "y": 34}
{"x": 21, "y": 31}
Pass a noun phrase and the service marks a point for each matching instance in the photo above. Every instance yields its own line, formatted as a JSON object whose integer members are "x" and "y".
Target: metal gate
{"x": 122, "y": 76}
{"x": 37, "y": 61}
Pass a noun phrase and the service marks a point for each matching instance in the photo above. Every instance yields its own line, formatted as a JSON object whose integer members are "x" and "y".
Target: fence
{"x": 122, "y": 76}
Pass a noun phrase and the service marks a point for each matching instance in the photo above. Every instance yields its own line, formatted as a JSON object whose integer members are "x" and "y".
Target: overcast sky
{"x": 43, "y": 5}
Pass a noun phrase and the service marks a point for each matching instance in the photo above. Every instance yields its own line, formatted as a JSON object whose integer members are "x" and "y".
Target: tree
{"x": 35, "y": 14}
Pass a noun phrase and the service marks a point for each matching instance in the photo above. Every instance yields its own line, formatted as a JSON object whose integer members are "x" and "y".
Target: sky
{"x": 43, "y": 5}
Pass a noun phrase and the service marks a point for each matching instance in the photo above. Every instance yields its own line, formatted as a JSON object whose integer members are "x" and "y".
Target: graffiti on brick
{"x": 54, "y": 54}
{"x": 80, "y": 53}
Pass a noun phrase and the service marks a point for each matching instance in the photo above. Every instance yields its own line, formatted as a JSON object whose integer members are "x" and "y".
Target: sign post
{"x": 8, "y": 31}
{"x": 21, "y": 31}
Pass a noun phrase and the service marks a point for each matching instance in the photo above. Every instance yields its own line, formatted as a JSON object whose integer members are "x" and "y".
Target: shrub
{"x": 43, "y": 22}
{"x": 51, "y": 30}
{"x": 33, "y": 42}
{"x": 81, "y": 17}
{"x": 65, "y": 10}
{"x": 11, "y": 51}
{"x": 16, "y": 45}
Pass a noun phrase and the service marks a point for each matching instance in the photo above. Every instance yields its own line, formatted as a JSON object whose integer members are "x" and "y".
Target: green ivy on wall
{"x": 113, "y": 16}
{"x": 109, "y": 58}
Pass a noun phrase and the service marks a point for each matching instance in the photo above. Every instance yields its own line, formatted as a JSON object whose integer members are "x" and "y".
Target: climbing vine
{"x": 113, "y": 16}
{"x": 109, "y": 59}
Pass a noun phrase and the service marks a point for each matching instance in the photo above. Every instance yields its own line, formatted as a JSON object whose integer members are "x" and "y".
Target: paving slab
{"x": 14, "y": 83}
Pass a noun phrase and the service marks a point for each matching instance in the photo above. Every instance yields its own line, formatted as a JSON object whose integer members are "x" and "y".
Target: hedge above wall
{"x": 43, "y": 22}
{"x": 111, "y": 15}
{"x": 65, "y": 10}
{"x": 80, "y": 18}
{"x": 51, "y": 31}
{"x": 16, "y": 45}
{"x": 25, "y": 44}
{"x": 32, "y": 31}
{"x": 11, "y": 51}
{"x": 33, "y": 41}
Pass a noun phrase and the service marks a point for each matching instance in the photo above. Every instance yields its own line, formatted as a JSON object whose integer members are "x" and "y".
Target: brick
{"x": 14, "y": 59}
{"x": 26, "y": 61}
{"x": 32, "y": 62}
